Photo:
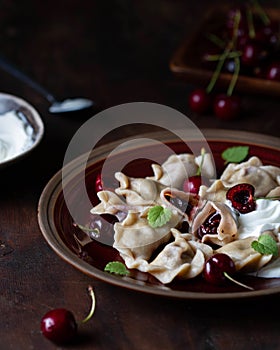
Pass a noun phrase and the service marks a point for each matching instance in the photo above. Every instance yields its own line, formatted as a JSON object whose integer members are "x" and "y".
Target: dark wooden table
{"x": 113, "y": 52}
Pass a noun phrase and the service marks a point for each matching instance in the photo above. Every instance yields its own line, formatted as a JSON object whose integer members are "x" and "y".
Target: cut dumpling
{"x": 244, "y": 256}
{"x": 254, "y": 173}
{"x": 227, "y": 228}
{"x": 184, "y": 203}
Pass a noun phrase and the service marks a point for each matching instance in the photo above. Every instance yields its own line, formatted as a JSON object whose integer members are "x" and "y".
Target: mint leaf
{"x": 158, "y": 216}
{"x": 116, "y": 267}
{"x": 265, "y": 245}
{"x": 235, "y": 154}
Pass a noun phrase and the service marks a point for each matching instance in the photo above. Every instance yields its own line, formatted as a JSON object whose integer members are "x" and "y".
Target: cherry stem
{"x": 217, "y": 71}
{"x": 234, "y": 76}
{"x": 202, "y": 152}
{"x": 268, "y": 198}
{"x": 216, "y": 40}
{"x": 250, "y": 22}
{"x": 237, "y": 282}
{"x": 227, "y": 52}
{"x": 264, "y": 17}
{"x": 91, "y": 312}
{"x": 232, "y": 54}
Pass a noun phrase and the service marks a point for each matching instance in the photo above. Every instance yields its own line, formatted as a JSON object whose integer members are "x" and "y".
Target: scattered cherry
{"x": 216, "y": 267}
{"x": 199, "y": 101}
{"x": 242, "y": 197}
{"x": 210, "y": 225}
{"x": 227, "y": 107}
{"x": 59, "y": 326}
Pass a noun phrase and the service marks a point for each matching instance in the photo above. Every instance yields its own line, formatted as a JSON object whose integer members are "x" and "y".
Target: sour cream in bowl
{"x": 21, "y": 128}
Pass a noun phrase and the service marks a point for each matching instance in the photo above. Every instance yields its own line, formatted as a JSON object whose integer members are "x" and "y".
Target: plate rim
{"x": 54, "y": 186}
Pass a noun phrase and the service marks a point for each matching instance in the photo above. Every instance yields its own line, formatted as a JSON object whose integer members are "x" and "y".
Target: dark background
{"x": 112, "y": 52}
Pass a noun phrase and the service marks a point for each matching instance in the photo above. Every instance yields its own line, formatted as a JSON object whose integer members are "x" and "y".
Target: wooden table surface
{"x": 113, "y": 52}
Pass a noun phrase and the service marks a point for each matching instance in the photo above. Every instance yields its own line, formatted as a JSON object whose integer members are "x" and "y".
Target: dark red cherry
{"x": 216, "y": 267}
{"x": 199, "y": 101}
{"x": 231, "y": 18}
{"x": 273, "y": 71}
{"x": 193, "y": 183}
{"x": 210, "y": 225}
{"x": 103, "y": 182}
{"x": 98, "y": 183}
{"x": 227, "y": 107}
{"x": 59, "y": 326}
{"x": 268, "y": 35}
{"x": 242, "y": 197}
{"x": 252, "y": 54}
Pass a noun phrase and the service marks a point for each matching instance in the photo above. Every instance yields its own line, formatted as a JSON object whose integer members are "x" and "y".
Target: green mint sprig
{"x": 265, "y": 245}
{"x": 117, "y": 268}
{"x": 235, "y": 154}
{"x": 158, "y": 216}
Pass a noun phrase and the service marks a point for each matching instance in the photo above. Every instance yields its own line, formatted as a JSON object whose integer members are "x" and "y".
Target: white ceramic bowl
{"x": 11, "y": 103}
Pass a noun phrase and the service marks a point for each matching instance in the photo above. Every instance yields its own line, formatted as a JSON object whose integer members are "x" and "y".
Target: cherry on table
{"x": 59, "y": 326}
{"x": 199, "y": 101}
{"x": 227, "y": 107}
{"x": 216, "y": 267}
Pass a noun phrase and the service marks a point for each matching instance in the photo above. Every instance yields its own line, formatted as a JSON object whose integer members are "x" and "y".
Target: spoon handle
{"x": 17, "y": 73}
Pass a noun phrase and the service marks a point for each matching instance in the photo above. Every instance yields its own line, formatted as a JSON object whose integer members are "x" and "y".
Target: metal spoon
{"x": 68, "y": 105}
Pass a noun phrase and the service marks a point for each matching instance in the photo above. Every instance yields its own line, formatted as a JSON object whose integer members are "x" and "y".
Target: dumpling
{"x": 179, "y": 167}
{"x": 244, "y": 256}
{"x": 136, "y": 240}
{"x": 184, "y": 203}
{"x": 177, "y": 259}
{"x": 215, "y": 193}
{"x": 138, "y": 191}
{"x": 263, "y": 178}
{"x": 227, "y": 228}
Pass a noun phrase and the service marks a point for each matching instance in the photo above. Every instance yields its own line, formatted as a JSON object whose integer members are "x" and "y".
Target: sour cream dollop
{"x": 265, "y": 217}
{"x": 16, "y": 134}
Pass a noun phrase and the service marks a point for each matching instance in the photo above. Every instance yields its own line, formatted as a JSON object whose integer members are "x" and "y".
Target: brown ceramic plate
{"x": 57, "y": 224}
{"x": 186, "y": 61}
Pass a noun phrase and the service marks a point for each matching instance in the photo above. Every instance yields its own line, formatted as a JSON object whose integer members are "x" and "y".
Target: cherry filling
{"x": 210, "y": 225}
{"x": 242, "y": 197}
